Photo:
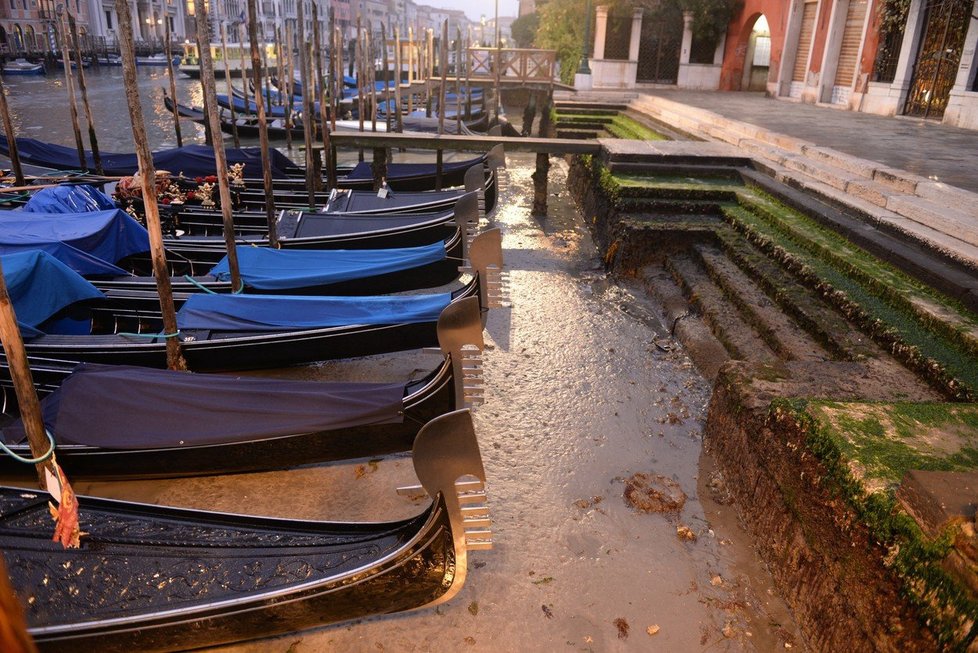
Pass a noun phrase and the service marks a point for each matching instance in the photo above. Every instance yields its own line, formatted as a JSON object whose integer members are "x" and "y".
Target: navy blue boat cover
{"x": 191, "y": 160}
{"x": 88, "y": 243}
{"x": 363, "y": 170}
{"x": 265, "y": 268}
{"x": 330, "y": 224}
{"x": 296, "y": 312}
{"x": 68, "y": 198}
{"x": 123, "y": 407}
{"x": 39, "y": 286}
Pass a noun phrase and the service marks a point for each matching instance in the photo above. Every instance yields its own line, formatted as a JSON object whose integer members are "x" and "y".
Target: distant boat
{"x": 158, "y": 59}
{"x": 22, "y": 67}
{"x": 190, "y": 64}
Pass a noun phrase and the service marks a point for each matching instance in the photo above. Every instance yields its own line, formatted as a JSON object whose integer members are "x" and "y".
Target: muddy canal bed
{"x": 588, "y": 399}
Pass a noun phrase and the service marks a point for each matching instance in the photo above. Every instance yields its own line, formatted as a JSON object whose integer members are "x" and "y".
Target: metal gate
{"x": 662, "y": 39}
{"x": 934, "y": 72}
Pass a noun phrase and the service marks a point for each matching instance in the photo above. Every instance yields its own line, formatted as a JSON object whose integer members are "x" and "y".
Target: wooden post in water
{"x": 220, "y": 157}
{"x": 443, "y": 68}
{"x": 338, "y": 85}
{"x": 368, "y": 60}
{"x": 308, "y": 93}
{"x": 266, "y": 162}
{"x": 173, "y": 84}
{"x": 66, "y": 529}
{"x": 92, "y": 138}
{"x": 539, "y": 176}
{"x": 203, "y": 46}
{"x": 458, "y": 85}
{"x": 429, "y": 54}
{"x": 359, "y": 71}
{"x": 322, "y": 123}
{"x": 279, "y": 62}
{"x": 387, "y": 79}
{"x": 70, "y": 87}
{"x": 244, "y": 70}
{"x": 289, "y": 83}
{"x": 8, "y": 130}
{"x": 411, "y": 55}
{"x": 227, "y": 83}
{"x": 468, "y": 80}
{"x": 147, "y": 174}
{"x": 398, "y": 97}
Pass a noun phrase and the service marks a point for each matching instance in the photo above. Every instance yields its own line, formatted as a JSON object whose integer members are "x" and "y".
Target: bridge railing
{"x": 524, "y": 65}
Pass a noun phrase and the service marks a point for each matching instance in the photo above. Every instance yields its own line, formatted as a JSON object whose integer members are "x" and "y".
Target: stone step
{"x": 741, "y": 339}
{"x": 707, "y": 352}
{"x": 781, "y": 333}
{"x": 958, "y": 224}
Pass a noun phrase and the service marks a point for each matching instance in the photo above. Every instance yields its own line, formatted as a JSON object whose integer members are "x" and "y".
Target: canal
{"x": 587, "y": 398}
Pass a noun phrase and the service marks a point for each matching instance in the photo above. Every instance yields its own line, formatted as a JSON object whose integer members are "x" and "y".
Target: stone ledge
{"x": 954, "y": 223}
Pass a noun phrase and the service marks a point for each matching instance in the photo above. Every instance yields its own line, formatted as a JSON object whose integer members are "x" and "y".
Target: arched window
{"x": 31, "y": 39}
{"x": 18, "y": 38}
{"x": 4, "y": 45}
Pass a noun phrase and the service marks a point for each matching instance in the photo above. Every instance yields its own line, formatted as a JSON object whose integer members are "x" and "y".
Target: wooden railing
{"x": 513, "y": 64}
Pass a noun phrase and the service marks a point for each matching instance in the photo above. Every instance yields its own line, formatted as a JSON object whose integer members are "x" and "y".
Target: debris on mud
{"x": 547, "y": 611}
{"x": 648, "y": 493}
{"x": 622, "y": 627}
{"x": 474, "y": 608}
{"x": 652, "y": 630}
{"x": 718, "y": 488}
{"x": 584, "y": 504}
{"x": 685, "y": 533}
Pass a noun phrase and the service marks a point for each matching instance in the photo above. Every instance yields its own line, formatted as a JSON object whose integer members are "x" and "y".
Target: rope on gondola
{"x": 199, "y": 285}
{"x": 31, "y": 461}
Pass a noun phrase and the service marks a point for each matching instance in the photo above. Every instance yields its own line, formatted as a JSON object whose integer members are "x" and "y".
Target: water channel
{"x": 581, "y": 396}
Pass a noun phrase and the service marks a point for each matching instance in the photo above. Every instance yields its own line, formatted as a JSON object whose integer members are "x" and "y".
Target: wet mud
{"x": 586, "y": 389}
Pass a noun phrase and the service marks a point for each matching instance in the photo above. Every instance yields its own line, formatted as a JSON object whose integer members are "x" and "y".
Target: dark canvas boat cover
{"x": 265, "y": 268}
{"x": 68, "y": 198}
{"x": 124, "y": 407}
{"x": 295, "y": 312}
{"x": 88, "y": 243}
{"x": 364, "y": 170}
{"x": 362, "y": 200}
{"x": 39, "y": 286}
{"x": 312, "y": 225}
{"x": 191, "y": 160}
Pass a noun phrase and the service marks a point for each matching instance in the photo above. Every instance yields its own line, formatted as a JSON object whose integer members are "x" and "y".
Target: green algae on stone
{"x": 945, "y": 604}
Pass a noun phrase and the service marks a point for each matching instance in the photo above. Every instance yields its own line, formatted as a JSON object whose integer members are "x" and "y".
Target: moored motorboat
{"x": 22, "y": 67}
{"x": 125, "y": 589}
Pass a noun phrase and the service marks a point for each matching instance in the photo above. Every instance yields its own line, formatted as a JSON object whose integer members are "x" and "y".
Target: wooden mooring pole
{"x": 173, "y": 82}
{"x": 70, "y": 88}
{"x": 542, "y": 171}
{"x": 220, "y": 157}
{"x": 442, "y": 96}
{"x": 320, "y": 84}
{"x": 266, "y": 163}
{"x": 8, "y": 130}
{"x": 243, "y": 67}
{"x": 308, "y": 93}
{"x": 147, "y": 174}
{"x": 92, "y": 138}
{"x": 227, "y": 84}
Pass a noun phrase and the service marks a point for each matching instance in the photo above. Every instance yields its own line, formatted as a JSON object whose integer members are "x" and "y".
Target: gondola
{"x": 194, "y": 161}
{"x": 112, "y": 251}
{"x": 73, "y": 321}
{"x": 114, "y": 422}
{"x": 150, "y": 578}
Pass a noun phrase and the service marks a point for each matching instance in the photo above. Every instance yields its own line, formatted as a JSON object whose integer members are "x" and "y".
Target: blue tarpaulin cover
{"x": 265, "y": 268}
{"x": 296, "y": 312}
{"x": 364, "y": 170}
{"x": 191, "y": 160}
{"x": 89, "y": 243}
{"x": 76, "y": 198}
{"x": 125, "y": 407}
{"x": 39, "y": 286}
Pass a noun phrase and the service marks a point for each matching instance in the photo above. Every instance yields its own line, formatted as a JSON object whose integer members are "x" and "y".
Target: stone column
{"x": 687, "y": 46}
{"x": 967, "y": 54}
{"x": 635, "y": 40}
{"x": 600, "y": 30}
{"x": 908, "y": 49}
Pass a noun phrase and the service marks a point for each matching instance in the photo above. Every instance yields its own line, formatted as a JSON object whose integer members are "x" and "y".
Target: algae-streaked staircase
{"x": 837, "y": 375}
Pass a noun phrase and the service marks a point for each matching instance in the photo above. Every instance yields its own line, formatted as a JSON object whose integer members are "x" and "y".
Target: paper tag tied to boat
{"x": 53, "y": 484}
{"x": 383, "y": 192}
